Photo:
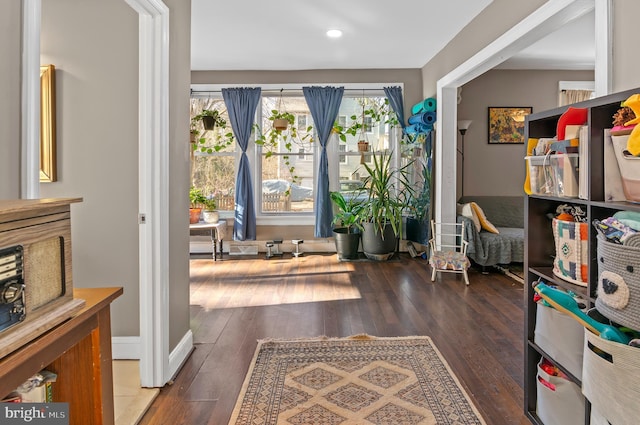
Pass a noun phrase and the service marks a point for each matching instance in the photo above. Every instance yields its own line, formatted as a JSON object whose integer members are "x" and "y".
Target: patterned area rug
{"x": 356, "y": 380}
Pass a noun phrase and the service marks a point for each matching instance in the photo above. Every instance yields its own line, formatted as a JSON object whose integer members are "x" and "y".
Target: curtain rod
{"x": 192, "y": 91}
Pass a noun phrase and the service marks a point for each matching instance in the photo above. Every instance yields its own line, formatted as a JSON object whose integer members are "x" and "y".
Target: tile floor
{"x": 131, "y": 401}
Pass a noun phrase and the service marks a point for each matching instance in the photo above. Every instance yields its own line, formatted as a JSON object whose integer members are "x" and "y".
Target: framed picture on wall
{"x": 506, "y": 124}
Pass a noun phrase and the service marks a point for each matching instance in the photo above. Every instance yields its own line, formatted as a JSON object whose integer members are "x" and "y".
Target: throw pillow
{"x": 466, "y": 210}
{"x": 484, "y": 222}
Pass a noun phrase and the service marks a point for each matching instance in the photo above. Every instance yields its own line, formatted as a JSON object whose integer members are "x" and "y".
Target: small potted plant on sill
{"x": 196, "y": 200}
{"x": 209, "y": 213}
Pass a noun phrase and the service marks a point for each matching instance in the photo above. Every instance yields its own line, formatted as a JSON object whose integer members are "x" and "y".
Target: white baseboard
{"x": 128, "y": 348}
{"x": 179, "y": 355}
{"x": 125, "y": 347}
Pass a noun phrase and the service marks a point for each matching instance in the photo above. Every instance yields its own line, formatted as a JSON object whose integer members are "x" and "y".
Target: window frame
{"x": 254, "y": 153}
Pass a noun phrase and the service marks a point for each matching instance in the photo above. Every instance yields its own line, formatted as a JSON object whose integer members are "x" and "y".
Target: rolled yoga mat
{"x": 427, "y": 118}
{"x": 418, "y": 128}
{"x": 427, "y": 105}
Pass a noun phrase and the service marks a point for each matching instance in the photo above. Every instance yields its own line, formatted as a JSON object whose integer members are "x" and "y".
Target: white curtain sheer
{"x": 568, "y": 97}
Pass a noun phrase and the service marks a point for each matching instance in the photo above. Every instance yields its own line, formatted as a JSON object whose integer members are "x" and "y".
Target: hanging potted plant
{"x": 273, "y": 140}
{"x": 210, "y": 118}
{"x": 193, "y": 135}
{"x": 281, "y": 120}
{"x": 196, "y": 200}
{"x": 347, "y": 220}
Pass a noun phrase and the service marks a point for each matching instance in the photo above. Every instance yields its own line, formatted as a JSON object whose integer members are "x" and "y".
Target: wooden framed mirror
{"x": 47, "y": 124}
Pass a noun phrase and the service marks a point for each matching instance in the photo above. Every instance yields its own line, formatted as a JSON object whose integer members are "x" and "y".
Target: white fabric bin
{"x": 563, "y": 405}
{"x": 561, "y": 337}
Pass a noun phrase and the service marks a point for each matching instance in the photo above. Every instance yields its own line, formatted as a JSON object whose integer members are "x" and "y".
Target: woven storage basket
{"x": 610, "y": 376}
{"x": 618, "y": 296}
{"x": 572, "y": 255}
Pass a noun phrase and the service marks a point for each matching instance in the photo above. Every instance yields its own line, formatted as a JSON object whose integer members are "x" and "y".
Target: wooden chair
{"x": 448, "y": 249}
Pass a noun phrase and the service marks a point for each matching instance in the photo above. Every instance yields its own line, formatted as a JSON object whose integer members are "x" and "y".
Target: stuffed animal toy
{"x": 633, "y": 143}
{"x": 622, "y": 115}
{"x": 572, "y": 116}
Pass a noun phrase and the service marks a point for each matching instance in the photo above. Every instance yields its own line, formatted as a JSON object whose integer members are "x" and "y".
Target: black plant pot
{"x": 418, "y": 230}
{"x": 347, "y": 243}
{"x": 208, "y": 122}
{"x": 378, "y": 246}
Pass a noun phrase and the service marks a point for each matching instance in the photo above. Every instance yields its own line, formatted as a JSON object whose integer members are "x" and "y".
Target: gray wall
{"x": 97, "y": 128}
{"x": 626, "y": 62}
{"x": 97, "y": 112}
{"x": 499, "y": 169}
{"x": 10, "y": 34}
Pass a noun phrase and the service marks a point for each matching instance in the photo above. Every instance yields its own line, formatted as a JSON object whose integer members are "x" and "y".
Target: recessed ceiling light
{"x": 334, "y": 33}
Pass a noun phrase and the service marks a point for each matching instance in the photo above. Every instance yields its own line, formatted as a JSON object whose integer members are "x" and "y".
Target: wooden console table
{"x": 218, "y": 231}
{"x": 79, "y": 352}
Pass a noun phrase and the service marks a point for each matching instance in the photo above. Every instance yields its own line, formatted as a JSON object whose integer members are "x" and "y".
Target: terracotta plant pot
{"x": 194, "y": 215}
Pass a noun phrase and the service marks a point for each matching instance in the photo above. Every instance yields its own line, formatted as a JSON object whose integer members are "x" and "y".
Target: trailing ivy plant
{"x": 270, "y": 139}
{"x": 211, "y": 140}
{"x": 378, "y": 109}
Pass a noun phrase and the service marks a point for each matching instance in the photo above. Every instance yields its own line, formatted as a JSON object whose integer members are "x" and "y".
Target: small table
{"x": 218, "y": 231}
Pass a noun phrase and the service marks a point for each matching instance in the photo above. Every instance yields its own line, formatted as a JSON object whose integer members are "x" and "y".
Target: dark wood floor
{"x": 479, "y": 329}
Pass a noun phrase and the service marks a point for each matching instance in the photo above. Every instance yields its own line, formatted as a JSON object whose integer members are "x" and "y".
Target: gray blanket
{"x": 507, "y": 214}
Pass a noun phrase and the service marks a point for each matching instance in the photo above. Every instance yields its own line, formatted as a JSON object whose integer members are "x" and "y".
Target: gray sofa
{"x": 506, "y": 213}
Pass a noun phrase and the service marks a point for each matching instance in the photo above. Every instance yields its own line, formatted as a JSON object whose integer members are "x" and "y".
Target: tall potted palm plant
{"x": 381, "y": 216}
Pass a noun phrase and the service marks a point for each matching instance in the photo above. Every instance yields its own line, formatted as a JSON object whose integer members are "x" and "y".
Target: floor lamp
{"x": 463, "y": 126}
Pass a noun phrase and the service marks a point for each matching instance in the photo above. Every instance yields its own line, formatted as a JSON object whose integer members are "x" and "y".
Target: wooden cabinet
{"x": 539, "y": 241}
{"x": 79, "y": 352}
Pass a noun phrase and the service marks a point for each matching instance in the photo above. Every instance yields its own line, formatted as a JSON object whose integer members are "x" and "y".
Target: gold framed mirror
{"x": 47, "y": 124}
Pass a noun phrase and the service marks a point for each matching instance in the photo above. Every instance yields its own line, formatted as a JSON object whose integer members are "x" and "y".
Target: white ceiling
{"x": 570, "y": 47}
{"x": 244, "y": 35}
{"x": 290, "y": 34}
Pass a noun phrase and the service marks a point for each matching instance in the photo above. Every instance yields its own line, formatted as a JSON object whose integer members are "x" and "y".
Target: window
{"x": 302, "y": 121}
{"x": 284, "y": 167}
{"x": 213, "y": 166}
{"x": 377, "y": 134}
{"x": 342, "y": 158}
{"x": 287, "y": 172}
{"x": 368, "y": 125}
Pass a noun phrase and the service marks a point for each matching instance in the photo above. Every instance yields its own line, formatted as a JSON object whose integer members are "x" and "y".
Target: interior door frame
{"x": 541, "y": 22}
{"x": 153, "y": 168}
